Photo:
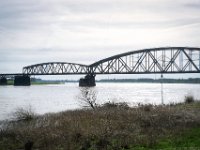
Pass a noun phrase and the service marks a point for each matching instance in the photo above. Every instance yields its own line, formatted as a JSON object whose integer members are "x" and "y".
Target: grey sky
{"x": 84, "y": 31}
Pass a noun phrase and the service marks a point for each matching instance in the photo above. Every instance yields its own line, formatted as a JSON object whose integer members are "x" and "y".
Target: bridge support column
{"x": 3, "y": 81}
{"x": 88, "y": 81}
{"x": 22, "y": 81}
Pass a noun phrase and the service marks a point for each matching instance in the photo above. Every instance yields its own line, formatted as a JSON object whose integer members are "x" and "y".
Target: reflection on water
{"x": 54, "y": 98}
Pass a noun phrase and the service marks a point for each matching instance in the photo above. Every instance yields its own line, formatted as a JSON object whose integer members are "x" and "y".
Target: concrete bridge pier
{"x": 87, "y": 81}
{"x": 3, "y": 81}
{"x": 22, "y": 80}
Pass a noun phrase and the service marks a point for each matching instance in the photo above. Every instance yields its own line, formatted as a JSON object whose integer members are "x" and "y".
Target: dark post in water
{"x": 88, "y": 80}
{"x": 22, "y": 81}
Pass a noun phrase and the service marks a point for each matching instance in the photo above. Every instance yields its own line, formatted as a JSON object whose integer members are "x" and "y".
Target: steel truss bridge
{"x": 147, "y": 61}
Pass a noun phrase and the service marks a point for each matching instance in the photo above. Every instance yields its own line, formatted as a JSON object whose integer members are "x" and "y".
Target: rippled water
{"x": 53, "y": 98}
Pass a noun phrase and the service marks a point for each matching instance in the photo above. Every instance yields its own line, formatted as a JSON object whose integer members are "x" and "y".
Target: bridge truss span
{"x": 157, "y": 60}
{"x": 146, "y": 61}
{"x": 55, "y": 68}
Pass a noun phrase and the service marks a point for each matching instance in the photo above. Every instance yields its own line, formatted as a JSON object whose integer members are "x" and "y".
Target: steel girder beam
{"x": 146, "y": 61}
{"x": 157, "y": 60}
{"x": 55, "y": 68}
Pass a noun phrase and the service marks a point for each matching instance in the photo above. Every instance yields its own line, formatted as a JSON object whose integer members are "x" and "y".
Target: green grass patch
{"x": 45, "y": 83}
{"x": 10, "y": 82}
{"x": 189, "y": 138}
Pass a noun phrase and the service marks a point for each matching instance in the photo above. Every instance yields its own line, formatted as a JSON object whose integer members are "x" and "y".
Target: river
{"x": 54, "y": 98}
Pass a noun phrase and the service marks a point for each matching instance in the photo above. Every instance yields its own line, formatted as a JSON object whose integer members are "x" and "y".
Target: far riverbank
{"x": 37, "y": 81}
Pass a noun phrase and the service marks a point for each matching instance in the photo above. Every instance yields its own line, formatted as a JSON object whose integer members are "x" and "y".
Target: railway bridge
{"x": 161, "y": 60}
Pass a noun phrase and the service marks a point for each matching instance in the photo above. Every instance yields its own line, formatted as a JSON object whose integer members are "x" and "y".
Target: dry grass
{"x": 112, "y": 126}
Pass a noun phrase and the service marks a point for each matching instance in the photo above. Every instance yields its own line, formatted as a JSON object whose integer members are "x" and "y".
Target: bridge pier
{"x": 3, "y": 81}
{"x": 88, "y": 81}
{"x": 22, "y": 81}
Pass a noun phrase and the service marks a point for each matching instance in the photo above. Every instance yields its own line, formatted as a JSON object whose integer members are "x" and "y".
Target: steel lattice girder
{"x": 55, "y": 68}
{"x": 156, "y": 60}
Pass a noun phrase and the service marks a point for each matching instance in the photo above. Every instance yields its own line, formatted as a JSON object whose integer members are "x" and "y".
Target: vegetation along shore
{"x": 111, "y": 126}
{"x": 37, "y": 81}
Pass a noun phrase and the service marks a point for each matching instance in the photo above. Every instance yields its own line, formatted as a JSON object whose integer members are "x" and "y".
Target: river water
{"x": 54, "y": 98}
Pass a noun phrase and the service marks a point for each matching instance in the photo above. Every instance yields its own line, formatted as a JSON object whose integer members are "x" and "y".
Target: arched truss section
{"x": 156, "y": 60}
{"x": 55, "y": 68}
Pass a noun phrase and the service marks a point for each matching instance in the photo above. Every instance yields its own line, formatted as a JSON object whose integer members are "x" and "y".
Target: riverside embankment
{"x": 109, "y": 126}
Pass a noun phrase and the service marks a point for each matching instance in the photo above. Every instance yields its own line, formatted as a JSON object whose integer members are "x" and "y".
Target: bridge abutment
{"x": 22, "y": 81}
{"x": 87, "y": 81}
{"x": 3, "y": 81}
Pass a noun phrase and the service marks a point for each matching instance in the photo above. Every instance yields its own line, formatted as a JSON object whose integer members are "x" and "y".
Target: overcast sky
{"x": 84, "y": 31}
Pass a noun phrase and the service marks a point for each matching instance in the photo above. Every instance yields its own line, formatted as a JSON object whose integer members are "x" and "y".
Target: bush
{"x": 115, "y": 105}
{"x": 148, "y": 107}
{"x": 189, "y": 99}
{"x": 24, "y": 114}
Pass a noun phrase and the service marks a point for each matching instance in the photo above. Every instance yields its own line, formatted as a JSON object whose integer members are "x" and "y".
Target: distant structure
{"x": 147, "y": 61}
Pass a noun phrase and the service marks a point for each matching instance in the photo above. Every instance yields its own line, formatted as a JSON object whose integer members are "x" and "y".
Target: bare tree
{"x": 87, "y": 97}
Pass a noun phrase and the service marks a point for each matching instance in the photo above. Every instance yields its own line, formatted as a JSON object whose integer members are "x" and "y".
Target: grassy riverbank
{"x": 11, "y": 82}
{"x": 111, "y": 126}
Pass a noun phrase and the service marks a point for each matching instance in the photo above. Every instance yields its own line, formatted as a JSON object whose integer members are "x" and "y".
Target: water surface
{"x": 54, "y": 98}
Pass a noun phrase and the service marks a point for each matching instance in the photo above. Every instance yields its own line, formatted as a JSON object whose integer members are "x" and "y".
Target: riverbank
{"x": 11, "y": 82}
{"x": 35, "y": 81}
{"x": 110, "y": 126}
{"x": 149, "y": 80}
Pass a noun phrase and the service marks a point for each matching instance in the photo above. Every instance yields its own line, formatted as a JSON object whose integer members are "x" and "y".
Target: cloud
{"x": 193, "y": 4}
{"x": 36, "y": 31}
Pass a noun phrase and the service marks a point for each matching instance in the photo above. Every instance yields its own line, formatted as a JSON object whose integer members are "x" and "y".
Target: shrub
{"x": 115, "y": 105}
{"x": 148, "y": 107}
{"x": 189, "y": 99}
{"x": 24, "y": 114}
